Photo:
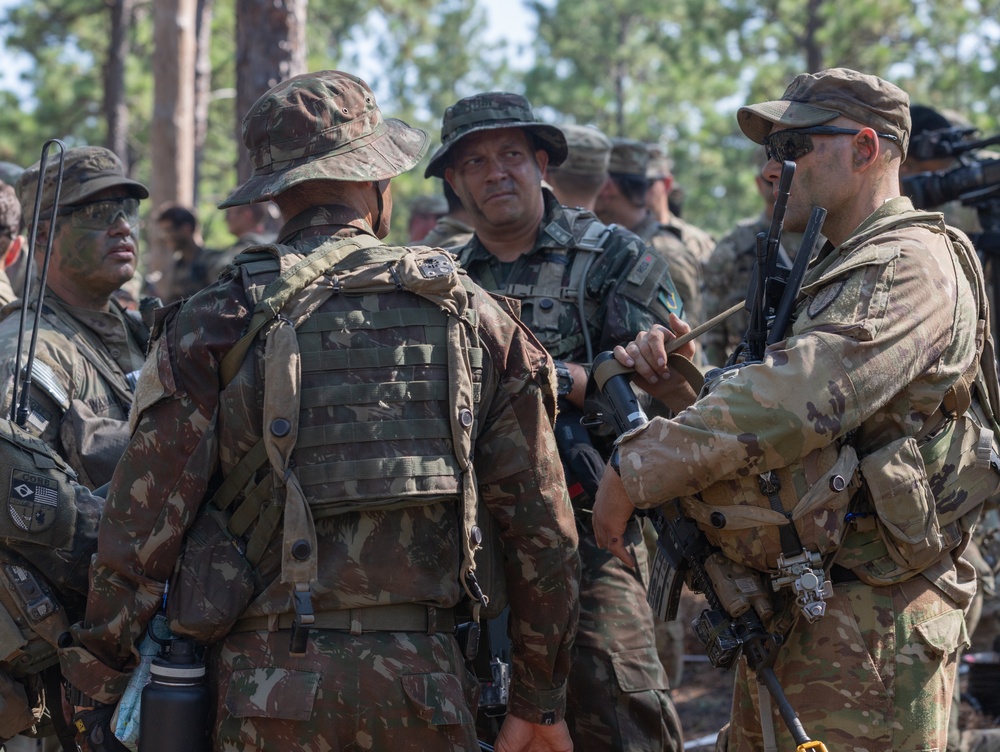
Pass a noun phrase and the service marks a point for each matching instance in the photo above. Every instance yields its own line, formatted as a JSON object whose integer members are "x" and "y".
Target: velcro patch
{"x": 641, "y": 270}
{"x": 436, "y": 266}
{"x": 824, "y": 298}
{"x": 32, "y": 501}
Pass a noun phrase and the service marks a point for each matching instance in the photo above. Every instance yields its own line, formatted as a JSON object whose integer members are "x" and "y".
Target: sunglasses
{"x": 100, "y": 215}
{"x": 793, "y": 143}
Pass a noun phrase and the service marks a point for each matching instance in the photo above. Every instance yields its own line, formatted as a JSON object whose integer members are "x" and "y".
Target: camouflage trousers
{"x": 376, "y": 691}
{"x": 618, "y": 696}
{"x": 875, "y": 674}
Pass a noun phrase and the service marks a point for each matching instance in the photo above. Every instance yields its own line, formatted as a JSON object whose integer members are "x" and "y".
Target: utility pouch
{"x": 212, "y": 584}
{"x": 815, "y": 492}
{"x": 906, "y": 515}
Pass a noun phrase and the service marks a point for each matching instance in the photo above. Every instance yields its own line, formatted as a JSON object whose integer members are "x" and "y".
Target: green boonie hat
{"x": 86, "y": 170}
{"x": 492, "y": 111}
{"x": 628, "y": 157}
{"x": 10, "y": 172}
{"x": 589, "y": 150}
{"x": 660, "y": 166}
{"x": 322, "y": 126}
{"x": 817, "y": 98}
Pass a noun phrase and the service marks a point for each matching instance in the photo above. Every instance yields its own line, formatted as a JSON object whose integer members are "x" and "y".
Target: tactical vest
{"x": 547, "y": 304}
{"x": 921, "y": 494}
{"x": 375, "y": 421}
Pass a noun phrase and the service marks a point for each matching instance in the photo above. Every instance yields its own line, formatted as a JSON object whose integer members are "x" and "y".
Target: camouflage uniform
{"x": 448, "y": 232}
{"x": 86, "y": 360}
{"x": 884, "y": 328}
{"x": 727, "y": 276}
{"x": 389, "y": 538}
{"x": 696, "y": 240}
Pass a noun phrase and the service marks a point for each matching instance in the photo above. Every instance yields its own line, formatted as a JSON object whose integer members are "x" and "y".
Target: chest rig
{"x": 554, "y": 303}
{"x": 366, "y": 407}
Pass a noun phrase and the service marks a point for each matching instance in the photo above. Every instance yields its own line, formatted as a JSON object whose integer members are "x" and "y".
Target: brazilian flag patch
{"x": 32, "y": 501}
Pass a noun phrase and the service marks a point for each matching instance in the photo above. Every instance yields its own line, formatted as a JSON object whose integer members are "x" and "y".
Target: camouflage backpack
{"x": 283, "y": 308}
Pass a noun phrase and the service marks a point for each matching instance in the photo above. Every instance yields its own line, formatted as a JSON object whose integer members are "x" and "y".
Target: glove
{"x": 94, "y": 725}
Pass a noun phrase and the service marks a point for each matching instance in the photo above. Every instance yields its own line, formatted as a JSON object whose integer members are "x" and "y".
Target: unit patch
{"x": 436, "y": 266}
{"x": 824, "y": 298}
{"x": 640, "y": 270}
{"x": 32, "y": 501}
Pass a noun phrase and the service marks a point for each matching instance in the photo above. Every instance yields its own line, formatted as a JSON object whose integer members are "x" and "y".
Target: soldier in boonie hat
{"x": 813, "y": 99}
{"x": 87, "y": 170}
{"x": 492, "y": 111}
{"x": 322, "y": 126}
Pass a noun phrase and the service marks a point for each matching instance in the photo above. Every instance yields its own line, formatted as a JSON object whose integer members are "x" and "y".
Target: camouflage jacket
{"x": 685, "y": 266}
{"x": 696, "y": 240}
{"x": 185, "y": 432}
{"x": 627, "y": 287}
{"x": 884, "y": 326}
{"x": 85, "y": 365}
{"x": 727, "y": 276}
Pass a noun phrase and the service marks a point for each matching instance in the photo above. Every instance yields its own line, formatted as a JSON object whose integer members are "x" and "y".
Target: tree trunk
{"x": 172, "y": 126}
{"x": 202, "y": 87}
{"x": 270, "y": 47}
{"x": 115, "y": 106}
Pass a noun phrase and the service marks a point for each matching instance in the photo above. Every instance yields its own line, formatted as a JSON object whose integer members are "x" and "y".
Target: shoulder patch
{"x": 438, "y": 265}
{"x": 825, "y": 297}
{"x": 641, "y": 269}
{"x": 32, "y": 501}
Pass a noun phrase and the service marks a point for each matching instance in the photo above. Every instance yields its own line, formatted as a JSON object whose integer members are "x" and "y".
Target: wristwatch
{"x": 564, "y": 379}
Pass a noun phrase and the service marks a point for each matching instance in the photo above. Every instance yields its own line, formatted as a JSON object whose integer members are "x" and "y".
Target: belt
{"x": 400, "y": 617}
{"x": 839, "y": 575}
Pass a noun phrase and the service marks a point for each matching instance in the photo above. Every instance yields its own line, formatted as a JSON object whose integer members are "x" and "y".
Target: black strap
{"x": 52, "y": 683}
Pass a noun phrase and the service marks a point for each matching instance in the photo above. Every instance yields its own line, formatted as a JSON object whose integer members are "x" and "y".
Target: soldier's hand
{"x": 647, "y": 353}
{"x": 519, "y": 735}
{"x": 612, "y": 510}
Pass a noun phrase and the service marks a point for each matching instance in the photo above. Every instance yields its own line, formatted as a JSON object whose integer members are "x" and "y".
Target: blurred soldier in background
{"x": 578, "y": 180}
{"x": 452, "y": 229}
{"x": 660, "y": 198}
{"x": 11, "y": 240}
{"x": 425, "y": 211}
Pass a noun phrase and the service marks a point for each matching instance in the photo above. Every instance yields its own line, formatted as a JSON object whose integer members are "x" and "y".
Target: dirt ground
{"x": 704, "y": 698}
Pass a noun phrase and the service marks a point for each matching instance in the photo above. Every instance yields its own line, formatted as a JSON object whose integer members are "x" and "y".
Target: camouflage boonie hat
{"x": 322, "y": 126}
{"x": 817, "y": 98}
{"x": 628, "y": 157}
{"x": 660, "y": 166}
{"x": 10, "y": 172}
{"x": 86, "y": 170}
{"x": 589, "y": 150}
{"x": 493, "y": 111}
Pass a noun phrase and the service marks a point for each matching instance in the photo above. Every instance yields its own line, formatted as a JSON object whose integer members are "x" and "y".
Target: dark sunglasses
{"x": 100, "y": 215}
{"x": 793, "y": 143}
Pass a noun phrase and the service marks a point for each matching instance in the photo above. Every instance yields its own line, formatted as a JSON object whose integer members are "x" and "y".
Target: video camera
{"x": 974, "y": 181}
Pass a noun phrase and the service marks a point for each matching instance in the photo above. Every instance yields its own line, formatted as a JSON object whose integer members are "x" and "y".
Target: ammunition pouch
{"x": 212, "y": 583}
{"x": 736, "y": 514}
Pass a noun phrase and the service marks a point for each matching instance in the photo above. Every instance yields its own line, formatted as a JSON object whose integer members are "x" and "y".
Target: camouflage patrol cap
{"x": 660, "y": 166}
{"x": 86, "y": 170}
{"x": 628, "y": 157}
{"x": 492, "y": 111}
{"x": 817, "y": 98}
{"x": 589, "y": 150}
{"x": 322, "y": 126}
{"x": 10, "y": 172}
{"x": 435, "y": 205}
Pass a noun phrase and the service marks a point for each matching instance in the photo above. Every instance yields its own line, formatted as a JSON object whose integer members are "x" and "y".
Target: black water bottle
{"x": 173, "y": 716}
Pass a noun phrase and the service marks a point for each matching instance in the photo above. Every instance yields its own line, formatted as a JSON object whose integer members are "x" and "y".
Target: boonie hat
{"x": 492, "y": 111}
{"x": 86, "y": 170}
{"x": 322, "y": 126}
{"x": 628, "y": 157}
{"x": 817, "y": 98}
{"x": 589, "y": 150}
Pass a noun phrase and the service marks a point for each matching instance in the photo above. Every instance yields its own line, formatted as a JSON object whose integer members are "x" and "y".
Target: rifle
{"x": 733, "y": 625}
{"x": 773, "y": 288}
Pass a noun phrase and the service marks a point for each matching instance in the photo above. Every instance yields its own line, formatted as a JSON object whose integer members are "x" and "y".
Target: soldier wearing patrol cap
{"x": 583, "y": 286}
{"x": 859, "y": 425}
{"x": 90, "y": 349}
{"x": 578, "y": 180}
{"x": 622, "y": 200}
{"x": 350, "y": 405}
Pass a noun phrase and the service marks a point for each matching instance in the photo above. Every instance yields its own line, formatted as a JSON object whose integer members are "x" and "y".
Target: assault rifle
{"x": 733, "y": 624}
